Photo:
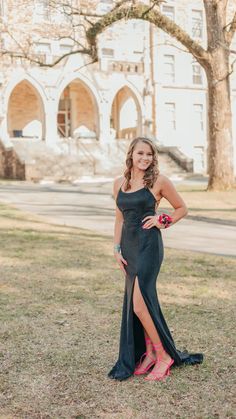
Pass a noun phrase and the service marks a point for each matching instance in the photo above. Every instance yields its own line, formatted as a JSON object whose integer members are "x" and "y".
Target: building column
{"x": 148, "y": 120}
{"x": 51, "y": 135}
{"x": 4, "y": 136}
{"x": 149, "y": 123}
{"x": 116, "y": 115}
{"x": 105, "y": 136}
{"x": 73, "y": 111}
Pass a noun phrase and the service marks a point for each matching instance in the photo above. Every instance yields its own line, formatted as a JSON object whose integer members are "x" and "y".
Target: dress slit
{"x": 144, "y": 301}
{"x": 153, "y": 318}
{"x": 138, "y": 330}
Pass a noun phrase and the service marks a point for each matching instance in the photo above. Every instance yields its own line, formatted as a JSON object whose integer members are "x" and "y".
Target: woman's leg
{"x": 150, "y": 331}
{"x": 149, "y": 347}
{"x": 143, "y": 314}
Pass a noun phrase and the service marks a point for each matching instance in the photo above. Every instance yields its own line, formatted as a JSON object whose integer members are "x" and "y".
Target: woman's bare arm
{"x": 169, "y": 192}
{"x": 118, "y": 214}
{"x": 118, "y": 226}
{"x": 166, "y": 189}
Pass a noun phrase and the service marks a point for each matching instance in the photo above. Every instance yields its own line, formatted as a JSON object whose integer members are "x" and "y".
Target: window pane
{"x": 170, "y": 115}
{"x": 197, "y": 73}
{"x": 42, "y": 10}
{"x": 169, "y": 68}
{"x": 65, "y": 49}
{"x": 43, "y": 47}
{"x": 104, "y": 6}
{"x": 169, "y": 11}
{"x": 107, "y": 52}
{"x": 198, "y": 116}
{"x": 197, "y": 23}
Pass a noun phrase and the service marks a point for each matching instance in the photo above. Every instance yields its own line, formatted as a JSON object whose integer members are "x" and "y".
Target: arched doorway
{"x": 25, "y": 117}
{"x": 125, "y": 115}
{"x": 77, "y": 112}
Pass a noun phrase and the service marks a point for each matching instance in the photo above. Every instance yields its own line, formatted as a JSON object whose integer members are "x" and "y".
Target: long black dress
{"x": 143, "y": 251}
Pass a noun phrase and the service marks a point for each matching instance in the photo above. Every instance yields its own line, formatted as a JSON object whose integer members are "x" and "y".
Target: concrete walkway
{"x": 91, "y": 206}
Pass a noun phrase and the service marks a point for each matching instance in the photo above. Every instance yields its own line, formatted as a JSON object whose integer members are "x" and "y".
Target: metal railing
{"x": 178, "y": 156}
{"x": 88, "y": 155}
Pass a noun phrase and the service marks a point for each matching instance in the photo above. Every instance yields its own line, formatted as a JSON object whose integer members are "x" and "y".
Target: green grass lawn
{"x": 61, "y": 299}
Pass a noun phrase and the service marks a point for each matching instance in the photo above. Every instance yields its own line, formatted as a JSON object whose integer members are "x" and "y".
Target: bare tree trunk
{"x": 220, "y": 142}
{"x": 220, "y": 139}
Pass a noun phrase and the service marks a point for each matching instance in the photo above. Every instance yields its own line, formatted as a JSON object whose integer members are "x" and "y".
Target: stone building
{"x": 75, "y": 117}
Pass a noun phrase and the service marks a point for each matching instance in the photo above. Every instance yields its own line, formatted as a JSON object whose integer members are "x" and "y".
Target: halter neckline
{"x": 133, "y": 191}
{"x": 138, "y": 190}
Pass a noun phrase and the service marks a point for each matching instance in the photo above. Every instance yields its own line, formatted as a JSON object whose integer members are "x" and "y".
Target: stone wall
{"x": 10, "y": 165}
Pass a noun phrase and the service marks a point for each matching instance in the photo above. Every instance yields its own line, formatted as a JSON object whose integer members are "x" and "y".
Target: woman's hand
{"x": 121, "y": 261}
{"x": 152, "y": 221}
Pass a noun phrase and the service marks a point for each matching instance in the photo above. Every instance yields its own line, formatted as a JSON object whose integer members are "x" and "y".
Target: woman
{"x": 138, "y": 249}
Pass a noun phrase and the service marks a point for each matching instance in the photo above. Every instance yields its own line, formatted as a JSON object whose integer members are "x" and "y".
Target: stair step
{"x": 69, "y": 162}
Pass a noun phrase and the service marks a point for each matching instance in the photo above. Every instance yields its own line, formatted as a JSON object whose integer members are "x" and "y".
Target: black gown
{"x": 143, "y": 251}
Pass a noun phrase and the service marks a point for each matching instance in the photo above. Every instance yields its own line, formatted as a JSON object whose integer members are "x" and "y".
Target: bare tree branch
{"x": 141, "y": 11}
{"x": 30, "y": 57}
{"x": 232, "y": 29}
{"x": 227, "y": 74}
{"x": 231, "y": 51}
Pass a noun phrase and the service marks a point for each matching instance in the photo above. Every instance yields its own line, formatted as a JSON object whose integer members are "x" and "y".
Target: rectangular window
{"x": 108, "y": 52}
{"x": 42, "y": 10}
{"x": 104, "y": 6}
{"x": 65, "y": 48}
{"x": 43, "y": 47}
{"x": 169, "y": 68}
{"x": 170, "y": 115}
{"x": 197, "y": 73}
{"x": 197, "y": 23}
{"x": 169, "y": 11}
{"x": 198, "y": 116}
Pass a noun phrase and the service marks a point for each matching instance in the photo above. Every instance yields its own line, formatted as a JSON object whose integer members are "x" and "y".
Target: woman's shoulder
{"x": 162, "y": 180}
{"x": 161, "y": 184}
{"x": 118, "y": 181}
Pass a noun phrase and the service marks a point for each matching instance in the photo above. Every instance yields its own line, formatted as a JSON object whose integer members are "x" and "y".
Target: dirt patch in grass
{"x": 61, "y": 299}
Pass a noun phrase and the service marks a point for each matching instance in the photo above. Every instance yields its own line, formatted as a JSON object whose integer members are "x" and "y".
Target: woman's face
{"x": 142, "y": 156}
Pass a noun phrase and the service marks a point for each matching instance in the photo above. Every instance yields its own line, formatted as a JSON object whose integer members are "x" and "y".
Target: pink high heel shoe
{"x": 141, "y": 371}
{"x": 153, "y": 376}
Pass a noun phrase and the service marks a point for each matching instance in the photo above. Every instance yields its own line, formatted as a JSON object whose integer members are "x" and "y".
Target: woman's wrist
{"x": 116, "y": 248}
{"x": 165, "y": 220}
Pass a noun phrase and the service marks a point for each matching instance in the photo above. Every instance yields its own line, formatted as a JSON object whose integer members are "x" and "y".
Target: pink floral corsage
{"x": 165, "y": 219}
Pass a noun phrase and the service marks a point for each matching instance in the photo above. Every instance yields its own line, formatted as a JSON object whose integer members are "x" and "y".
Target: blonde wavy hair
{"x": 151, "y": 173}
